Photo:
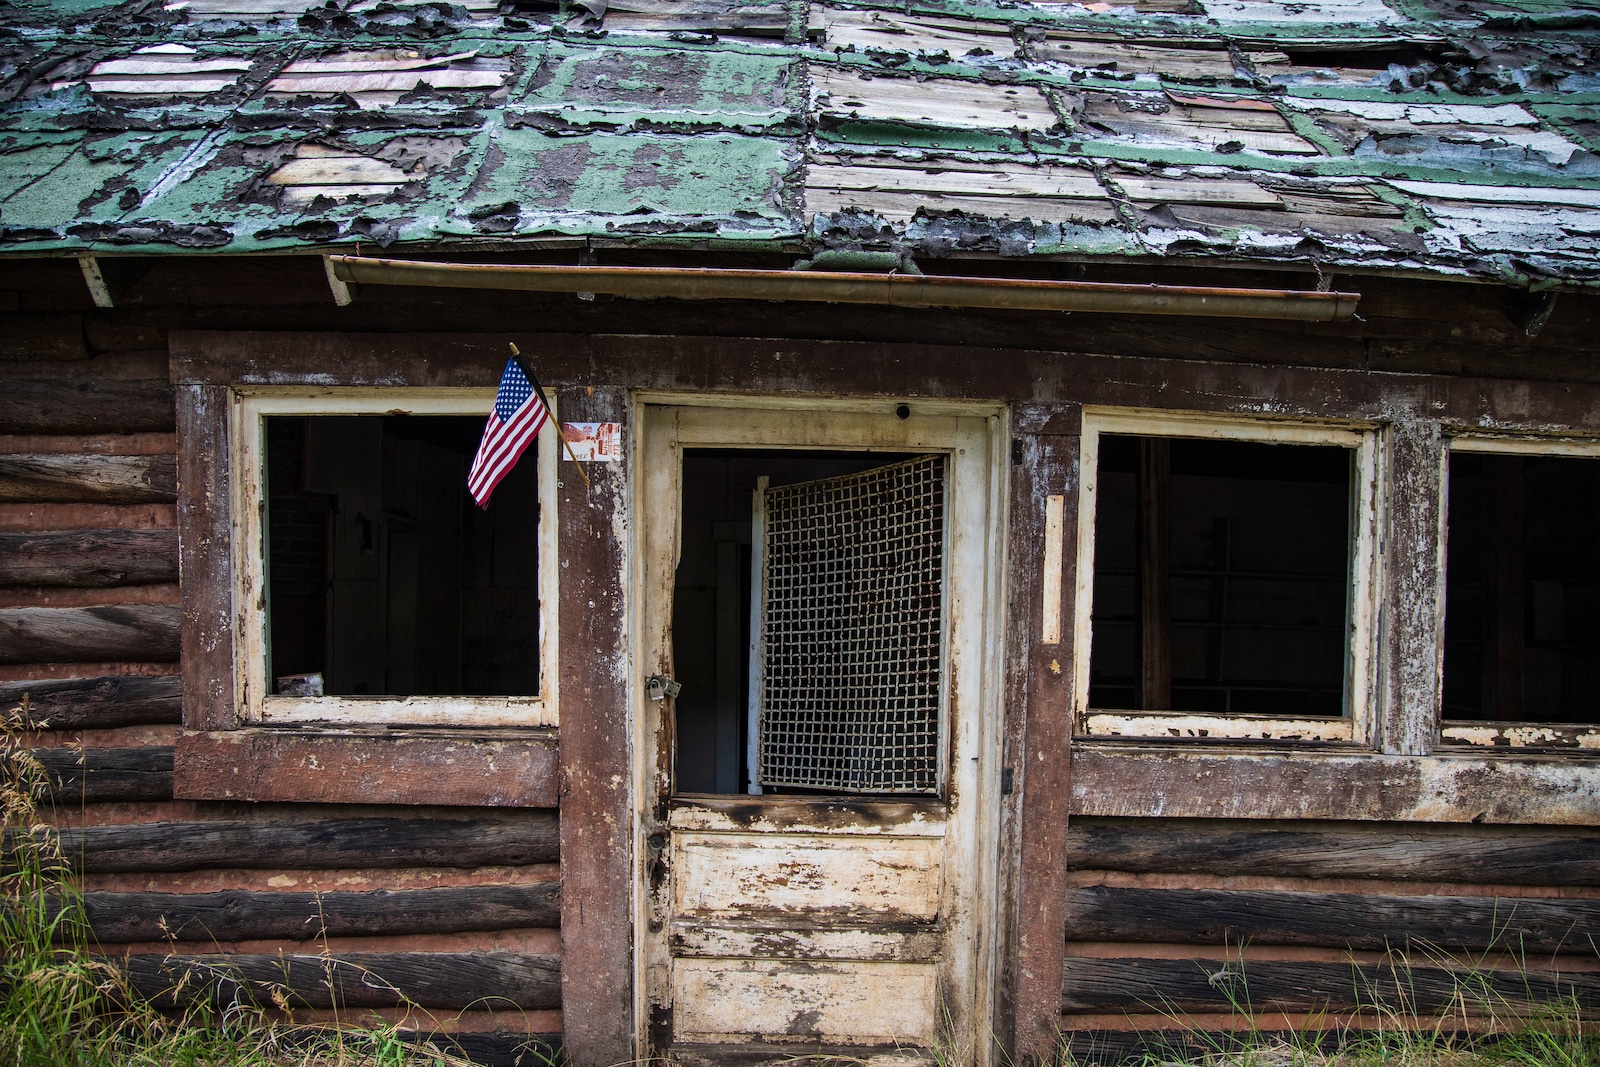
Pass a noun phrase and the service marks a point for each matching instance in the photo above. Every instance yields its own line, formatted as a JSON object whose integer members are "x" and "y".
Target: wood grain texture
{"x": 97, "y": 703}
{"x": 1471, "y": 854}
{"x": 596, "y": 812}
{"x": 1283, "y": 783}
{"x": 66, "y": 478}
{"x": 1279, "y": 985}
{"x": 97, "y": 775}
{"x": 440, "y": 980}
{"x": 1412, "y": 640}
{"x": 86, "y": 406}
{"x": 1039, "y": 745}
{"x": 1335, "y": 920}
{"x": 400, "y": 767}
{"x": 43, "y": 335}
{"x": 238, "y": 915}
{"x": 135, "y": 633}
{"x": 205, "y": 566}
{"x": 315, "y": 845}
{"x": 89, "y": 557}
{"x": 609, "y": 360}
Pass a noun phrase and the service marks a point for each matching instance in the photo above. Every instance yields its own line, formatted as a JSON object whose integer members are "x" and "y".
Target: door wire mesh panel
{"x": 852, "y": 632}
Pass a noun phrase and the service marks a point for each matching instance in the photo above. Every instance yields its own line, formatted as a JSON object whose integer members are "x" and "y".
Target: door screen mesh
{"x": 851, "y": 631}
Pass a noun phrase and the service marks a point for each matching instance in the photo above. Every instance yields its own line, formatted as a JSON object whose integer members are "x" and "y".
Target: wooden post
{"x": 1038, "y": 737}
{"x": 1155, "y": 574}
{"x": 596, "y": 812}
{"x": 205, "y": 569}
{"x": 1408, "y": 712}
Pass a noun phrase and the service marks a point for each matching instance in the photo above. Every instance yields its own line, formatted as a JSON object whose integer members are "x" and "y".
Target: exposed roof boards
{"x": 380, "y": 78}
{"x": 318, "y": 170}
{"x": 996, "y": 190}
{"x": 874, "y": 30}
{"x": 166, "y": 70}
{"x": 1178, "y": 62}
{"x": 842, "y": 93}
{"x": 1226, "y": 125}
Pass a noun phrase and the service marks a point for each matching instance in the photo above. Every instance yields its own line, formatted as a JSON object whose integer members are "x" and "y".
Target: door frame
{"x": 853, "y": 425}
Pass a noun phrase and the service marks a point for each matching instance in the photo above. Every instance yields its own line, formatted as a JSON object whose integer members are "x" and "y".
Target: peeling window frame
{"x": 252, "y": 687}
{"x": 1356, "y": 725}
{"x": 1529, "y": 735}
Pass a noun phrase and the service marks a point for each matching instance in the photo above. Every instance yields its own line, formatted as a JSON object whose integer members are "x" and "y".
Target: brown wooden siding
{"x": 1229, "y": 927}
{"x": 439, "y": 918}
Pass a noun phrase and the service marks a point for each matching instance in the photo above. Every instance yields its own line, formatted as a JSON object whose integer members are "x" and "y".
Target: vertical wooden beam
{"x": 205, "y": 557}
{"x": 1413, "y": 601}
{"x": 1155, "y": 574}
{"x": 1509, "y": 606}
{"x": 596, "y": 814}
{"x": 1039, "y": 678}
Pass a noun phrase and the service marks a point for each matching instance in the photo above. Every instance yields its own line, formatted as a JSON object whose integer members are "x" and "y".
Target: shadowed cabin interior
{"x": 1523, "y": 576}
{"x": 1222, "y": 576}
{"x": 383, "y": 576}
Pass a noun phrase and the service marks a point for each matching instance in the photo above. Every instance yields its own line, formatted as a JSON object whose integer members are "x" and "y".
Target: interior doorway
{"x": 818, "y": 781}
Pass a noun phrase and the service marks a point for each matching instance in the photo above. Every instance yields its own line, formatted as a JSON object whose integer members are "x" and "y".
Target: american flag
{"x": 519, "y": 414}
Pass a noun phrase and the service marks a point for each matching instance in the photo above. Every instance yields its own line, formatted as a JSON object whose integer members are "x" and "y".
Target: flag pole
{"x": 516, "y": 354}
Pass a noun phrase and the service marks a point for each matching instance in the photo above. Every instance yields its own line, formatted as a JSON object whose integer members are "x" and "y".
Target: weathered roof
{"x": 1432, "y": 135}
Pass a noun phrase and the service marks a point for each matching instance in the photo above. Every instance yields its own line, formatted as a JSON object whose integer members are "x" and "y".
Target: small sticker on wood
{"x": 594, "y": 442}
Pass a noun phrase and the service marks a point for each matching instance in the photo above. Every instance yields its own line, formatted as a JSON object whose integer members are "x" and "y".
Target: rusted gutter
{"x": 834, "y": 287}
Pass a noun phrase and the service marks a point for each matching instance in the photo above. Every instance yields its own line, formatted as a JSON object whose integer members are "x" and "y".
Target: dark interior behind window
{"x": 383, "y": 578}
{"x": 1222, "y": 576}
{"x": 1522, "y": 589}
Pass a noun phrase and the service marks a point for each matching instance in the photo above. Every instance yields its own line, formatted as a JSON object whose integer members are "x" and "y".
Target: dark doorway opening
{"x": 1222, "y": 576}
{"x": 1522, "y": 589}
{"x": 383, "y": 578}
{"x": 712, "y": 599}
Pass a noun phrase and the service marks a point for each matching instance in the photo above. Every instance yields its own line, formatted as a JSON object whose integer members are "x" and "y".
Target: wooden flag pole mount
{"x": 516, "y": 354}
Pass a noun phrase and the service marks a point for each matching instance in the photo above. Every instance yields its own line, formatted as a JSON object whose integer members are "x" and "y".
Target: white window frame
{"x": 1572, "y": 738}
{"x": 1356, "y": 724}
{"x": 252, "y": 687}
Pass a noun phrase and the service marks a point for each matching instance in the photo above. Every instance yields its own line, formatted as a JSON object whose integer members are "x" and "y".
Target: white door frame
{"x": 974, "y": 434}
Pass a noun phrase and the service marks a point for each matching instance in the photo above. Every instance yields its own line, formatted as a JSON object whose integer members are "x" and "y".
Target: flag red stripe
{"x": 503, "y": 444}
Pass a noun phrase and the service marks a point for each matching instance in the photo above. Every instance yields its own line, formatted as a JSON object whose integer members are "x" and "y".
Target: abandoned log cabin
{"x": 1075, "y": 528}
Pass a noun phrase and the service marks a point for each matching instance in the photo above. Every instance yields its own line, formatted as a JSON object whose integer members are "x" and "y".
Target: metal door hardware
{"x": 657, "y": 686}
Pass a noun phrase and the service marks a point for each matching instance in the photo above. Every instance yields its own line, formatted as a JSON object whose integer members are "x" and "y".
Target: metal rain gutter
{"x": 837, "y": 287}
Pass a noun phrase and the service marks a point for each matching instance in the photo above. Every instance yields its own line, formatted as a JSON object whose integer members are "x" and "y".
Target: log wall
{"x": 1229, "y": 927}
{"x": 445, "y": 918}
{"x": 458, "y": 909}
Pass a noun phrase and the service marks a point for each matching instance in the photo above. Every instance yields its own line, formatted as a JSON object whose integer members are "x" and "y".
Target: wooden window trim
{"x": 250, "y": 407}
{"x": 1527, "y": 737}
{"x": 1361, "y": 683}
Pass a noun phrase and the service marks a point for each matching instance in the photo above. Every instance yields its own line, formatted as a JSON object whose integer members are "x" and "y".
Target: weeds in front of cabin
{"x": 63, "y": 1006}
{"x": 1478, "y": 1025}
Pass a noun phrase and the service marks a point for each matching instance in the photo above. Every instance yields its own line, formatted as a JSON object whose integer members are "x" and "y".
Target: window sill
{"x": 1293, "y": 782}
{"x": 507, "y": 768}
{"x": 1164, "y": 726}
{"x": 1571, "y": 738}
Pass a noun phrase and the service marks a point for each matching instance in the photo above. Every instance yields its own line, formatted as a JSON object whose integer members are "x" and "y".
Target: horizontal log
{"x": 86, "y": 407}
{"x": 67, "y": 478}
{"x": 312, "y": 845}
{"x": 1461, "y": 787}
{"x": 1139, "y": 1048}
{"x": 133, "y": 633}
{"x": 1165, "y": 985}
{"x": 439, "y": 980}
{"x": 43, "y": 335}
{"x": 97, "y": 703}
{"x": 95, "y": 775}
{"x": 239, "y": 915}
{"x": 439, "y": 768}
{"x": 89, "y": 557}
{"x": 501, "y": 1049}
{"x": 1335, "y": 920}
{"x": 1485, "y": 855}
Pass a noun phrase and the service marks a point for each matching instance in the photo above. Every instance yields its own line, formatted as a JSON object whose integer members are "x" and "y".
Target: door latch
{"x": 659, "y": 685}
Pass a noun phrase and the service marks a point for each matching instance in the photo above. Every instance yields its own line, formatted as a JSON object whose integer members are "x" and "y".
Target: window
{"x": 1522, "y": 589}
{"x": 375, "y": 590}
{"x": 1225, "y": 578}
